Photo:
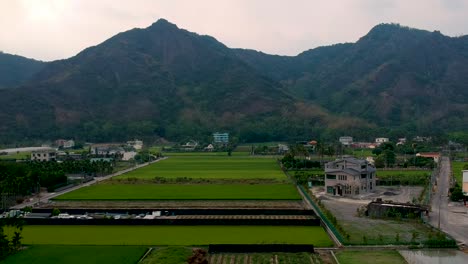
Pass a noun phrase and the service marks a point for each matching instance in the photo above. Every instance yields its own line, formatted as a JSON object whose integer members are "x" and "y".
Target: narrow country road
{"x": 452, "y": 218}
{"x": 45, "y": 198}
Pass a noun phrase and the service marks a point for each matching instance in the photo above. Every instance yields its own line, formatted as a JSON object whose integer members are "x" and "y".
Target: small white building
{"x": 49, "y": 154}
{"x": 136, "y": 144}
{"x": 381, "y": 140}
{"x": 346, "y": 140}
{"x": 210, "y": 147}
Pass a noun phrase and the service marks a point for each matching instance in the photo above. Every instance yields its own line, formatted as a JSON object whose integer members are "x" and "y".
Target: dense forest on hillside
{"x": 166, "y": 82}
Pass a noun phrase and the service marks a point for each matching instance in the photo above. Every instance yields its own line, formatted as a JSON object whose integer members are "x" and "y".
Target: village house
{"x": 222, "y": 138}
{"x": 349, "y": 176}
{"x": 136, "y": 144}
{"x": 346, "y": 140}
{"x": 49, "y": 154}
{"x": 107, "y": 149}
{"x": 65, "y": 143}
{"x": 190, "y": 145}
{"x": 381, "y": 140}
{"x": 433, "y": 155}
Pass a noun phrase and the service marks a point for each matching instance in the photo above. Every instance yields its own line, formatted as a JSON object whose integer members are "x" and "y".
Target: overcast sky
{"x": 58, "y": 29}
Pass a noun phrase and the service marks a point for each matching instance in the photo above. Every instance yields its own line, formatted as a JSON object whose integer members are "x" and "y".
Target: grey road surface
{"x": 452, "y": 218}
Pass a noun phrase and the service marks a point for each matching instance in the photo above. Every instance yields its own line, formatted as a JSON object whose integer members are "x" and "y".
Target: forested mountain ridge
{"x": 14, "y": 70}
{"x": 163, "y": 81}
{"x": 160, "y": 81}
{"x": 396, "y": 76}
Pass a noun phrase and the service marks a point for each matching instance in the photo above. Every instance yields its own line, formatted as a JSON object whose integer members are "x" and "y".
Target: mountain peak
{"x": 163, "y": 23}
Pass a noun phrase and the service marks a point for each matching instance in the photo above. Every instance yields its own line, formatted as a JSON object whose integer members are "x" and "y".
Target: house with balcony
{"x": 349, "y": 176}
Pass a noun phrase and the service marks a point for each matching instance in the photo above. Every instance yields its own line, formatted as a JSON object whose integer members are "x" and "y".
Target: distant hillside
{"x": 167, "y": 82}
{"x": 161, "y": 81}
{"x": 398, "y": 77}
{"x": 15, "y": 70}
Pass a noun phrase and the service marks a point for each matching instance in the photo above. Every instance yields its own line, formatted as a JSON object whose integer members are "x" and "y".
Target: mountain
{"x": 160, "y": 81}
{"x": 400, "y": 78}
{"x": 167, "y": 82}
{"x": 15, "y": 70}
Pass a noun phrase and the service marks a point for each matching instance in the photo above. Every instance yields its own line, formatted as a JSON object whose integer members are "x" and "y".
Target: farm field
{"x": 20, "y": 155}
{"x": 51, "y": 254}
{"x": 168, "y": 255}
{"x": 265, "y": 258}
{"x": 214, "y": 167}
{"x": 403, "y": 177}
{"x": 175, "y": 235}
{"x": 457, "y": 167}
{"x": 370, "y": 257}
{"x": 184, "y": 192}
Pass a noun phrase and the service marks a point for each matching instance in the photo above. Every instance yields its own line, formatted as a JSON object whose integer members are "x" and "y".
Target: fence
{"x": 325, "y": 220}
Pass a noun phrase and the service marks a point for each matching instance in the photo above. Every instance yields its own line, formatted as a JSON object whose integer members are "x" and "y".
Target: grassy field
{"x": 15, "y": 156}
{"x": 175, "y": 235}
{"x": 218, "y": 167}
{"x": 184, "y": 192}
{"x": 50, "y": 254}
{"x": 404, "y": 177}
{"x": 457, "y": 167}
{"x": 168, "y": 255}
{"x": 370, "y": 257}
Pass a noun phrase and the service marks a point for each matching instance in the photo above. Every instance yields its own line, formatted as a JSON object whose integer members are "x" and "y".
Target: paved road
{"x": 451, "y": 217}
{"x": 45, "y": 198}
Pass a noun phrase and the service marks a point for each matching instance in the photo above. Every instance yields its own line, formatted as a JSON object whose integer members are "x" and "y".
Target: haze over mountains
{"x": 163, "y": 81}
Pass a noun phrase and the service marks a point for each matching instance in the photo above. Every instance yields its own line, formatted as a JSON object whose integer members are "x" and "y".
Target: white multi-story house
{"x": 381, "y": 140}
{"x": 349, "y": 176}
{"x": 221, "y": 138}
{"x": 44, "y": 155}
{"x": 346, "y": 140}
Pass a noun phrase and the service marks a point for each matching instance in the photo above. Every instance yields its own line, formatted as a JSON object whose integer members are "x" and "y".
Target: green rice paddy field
{"x": 174, "y": 235}
{"x": 52, "y": 254}
{"x": 457, "y": 167}
{"x": 184, "y": 192}
{"x": 209, "y": 167}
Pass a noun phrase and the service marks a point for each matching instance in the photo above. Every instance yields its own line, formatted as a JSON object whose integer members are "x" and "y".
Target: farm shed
{"x": 389, "y": 209}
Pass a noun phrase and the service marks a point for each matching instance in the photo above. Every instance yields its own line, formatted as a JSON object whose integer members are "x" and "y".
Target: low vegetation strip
{"x": 457, "y": 167}
{"x": 51, "y": 254}
{"x": 184, "y": 192}
{"x": 371, "y": 257}
{"x": 210, "y": 167}
{"x": 403, "y": 177}
{"x": 175, "y": 235}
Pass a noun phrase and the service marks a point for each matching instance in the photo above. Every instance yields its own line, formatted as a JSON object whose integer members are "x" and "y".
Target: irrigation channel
{"x": 157, "y": 216}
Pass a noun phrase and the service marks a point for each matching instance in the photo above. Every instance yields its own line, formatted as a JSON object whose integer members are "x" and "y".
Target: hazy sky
{"x": 58, "y": 29}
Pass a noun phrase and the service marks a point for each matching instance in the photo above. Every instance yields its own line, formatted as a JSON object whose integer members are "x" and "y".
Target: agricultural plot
{"x": 210, "y": 167}
{"x": 265, "y": 258}
{"x": 168, "y": 255}
{"x": 370, "y": 257}
{"x": 403, "y": 177}
{"x": 175, "y": 235}
{"x": 51, "y": 254}
{"x": 183, "y": 192}
{"x": 457, "y": 167}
